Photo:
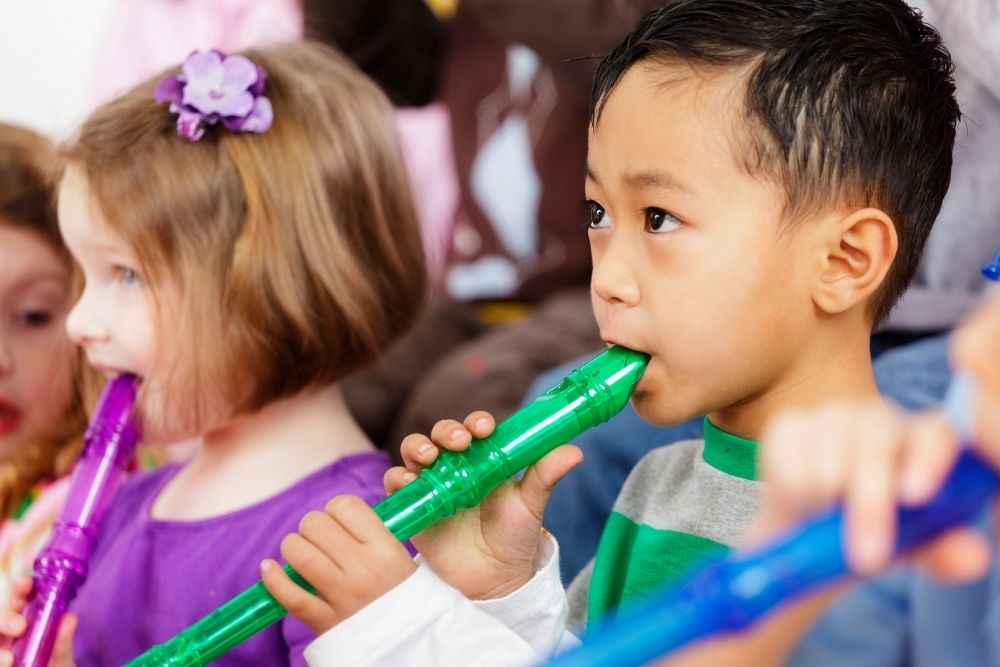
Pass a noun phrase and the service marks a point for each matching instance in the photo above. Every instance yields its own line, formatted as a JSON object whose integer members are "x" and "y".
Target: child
{"x": 881, "y": 458}
{"x": 41, "y": 417}
{"x": 761, "y": 179}
{"x": 240, "y": 268}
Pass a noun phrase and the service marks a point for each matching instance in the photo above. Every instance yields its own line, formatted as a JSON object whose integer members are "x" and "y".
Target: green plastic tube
{"x": 588, "y": 396}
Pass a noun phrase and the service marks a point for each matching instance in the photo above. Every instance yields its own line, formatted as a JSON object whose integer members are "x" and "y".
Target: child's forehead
{"x": 28, "y": 259}
{"x": 674, "y": 112}
{"x": 80, "y": 216}
{"x": 679, "y": 91}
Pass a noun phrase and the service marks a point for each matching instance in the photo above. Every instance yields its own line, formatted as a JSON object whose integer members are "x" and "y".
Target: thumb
{"x": 539, "y": 480}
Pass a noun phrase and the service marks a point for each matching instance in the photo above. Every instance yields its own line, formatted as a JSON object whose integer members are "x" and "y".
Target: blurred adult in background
{"x": 400, "y": 44}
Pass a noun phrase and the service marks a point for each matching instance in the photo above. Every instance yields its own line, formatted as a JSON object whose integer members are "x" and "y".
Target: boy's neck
{"x": 836, "y": 367}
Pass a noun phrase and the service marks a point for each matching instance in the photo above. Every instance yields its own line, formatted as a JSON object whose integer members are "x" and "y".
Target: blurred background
{"x": 49, "y": 49}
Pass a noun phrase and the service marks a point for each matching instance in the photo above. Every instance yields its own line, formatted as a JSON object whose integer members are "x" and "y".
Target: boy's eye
{"x": 659, "y": 221}
{"x": 597, "y": 218}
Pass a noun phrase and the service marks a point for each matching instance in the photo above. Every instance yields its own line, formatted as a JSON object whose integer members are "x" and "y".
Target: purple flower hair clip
{"x": 213, "y": 88}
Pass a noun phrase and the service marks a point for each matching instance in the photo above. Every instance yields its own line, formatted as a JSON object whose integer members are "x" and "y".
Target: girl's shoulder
{"x": 359, "y": 474}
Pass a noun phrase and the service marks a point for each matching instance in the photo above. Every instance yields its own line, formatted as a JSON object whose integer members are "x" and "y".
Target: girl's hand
{"x": 488, "y": 551}
{"x": 13, "y": 625}
{"x": 872, "y": 458}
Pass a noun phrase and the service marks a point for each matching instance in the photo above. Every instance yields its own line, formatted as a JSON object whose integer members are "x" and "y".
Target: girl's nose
{"x": 82, "y": 323}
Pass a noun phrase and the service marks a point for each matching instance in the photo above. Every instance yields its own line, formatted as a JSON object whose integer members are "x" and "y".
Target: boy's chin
{"x": 652, "y": 408}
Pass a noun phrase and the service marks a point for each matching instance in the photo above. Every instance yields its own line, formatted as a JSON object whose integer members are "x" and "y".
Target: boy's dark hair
{"x": 854, "y": 101}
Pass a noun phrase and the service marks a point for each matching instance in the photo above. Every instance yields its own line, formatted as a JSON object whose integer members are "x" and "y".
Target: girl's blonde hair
{"x": 27, "y": 162}
{"x": 296, "y": 252}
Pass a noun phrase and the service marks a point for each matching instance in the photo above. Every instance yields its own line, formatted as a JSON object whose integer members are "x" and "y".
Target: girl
{"x": 41, "y": 418}
{"x": 243, "y": 249}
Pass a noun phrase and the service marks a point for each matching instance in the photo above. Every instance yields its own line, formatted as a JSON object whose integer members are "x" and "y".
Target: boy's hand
{"x": 488, "y": 551}
{"x": 872, "y": 458}
{"x": 13, "y": 625}
{"x": 349, "y": 557}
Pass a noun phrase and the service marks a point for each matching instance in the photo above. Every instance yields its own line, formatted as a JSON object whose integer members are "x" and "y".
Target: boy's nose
{"x": 82, "y": 325}
{"x": 614, "y": 276}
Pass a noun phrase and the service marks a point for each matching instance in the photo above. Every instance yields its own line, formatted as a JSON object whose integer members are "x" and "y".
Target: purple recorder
{"x": 61, "y": 567}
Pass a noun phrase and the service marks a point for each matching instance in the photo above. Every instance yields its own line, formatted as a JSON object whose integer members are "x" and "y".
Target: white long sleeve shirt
{"x": 424, "y": 621}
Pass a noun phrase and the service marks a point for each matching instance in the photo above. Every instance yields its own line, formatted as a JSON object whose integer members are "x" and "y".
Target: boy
{"x": 761, "y": 179}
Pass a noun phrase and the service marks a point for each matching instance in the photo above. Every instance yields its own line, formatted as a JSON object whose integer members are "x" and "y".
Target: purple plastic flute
{"x": 61, "y": 567}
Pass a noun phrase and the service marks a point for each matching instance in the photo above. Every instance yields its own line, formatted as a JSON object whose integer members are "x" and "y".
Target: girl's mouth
{"x": 10, "y": 418}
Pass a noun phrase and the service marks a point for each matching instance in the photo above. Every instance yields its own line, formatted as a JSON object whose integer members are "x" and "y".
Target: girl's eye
{"x": 659, "y": 221}
{"x": 597, "y": 218}
{"x": 34, "y": 319}
{"x": 128, "y": 277}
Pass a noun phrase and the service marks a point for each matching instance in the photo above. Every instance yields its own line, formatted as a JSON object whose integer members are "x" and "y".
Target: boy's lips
{"x": 643, "y": 381}
{"x": 614, "y": 341}
{"x": 10, "y": 417}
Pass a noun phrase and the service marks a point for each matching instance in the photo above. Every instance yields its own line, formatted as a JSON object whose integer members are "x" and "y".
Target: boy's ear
{"x": 859, "y": 250}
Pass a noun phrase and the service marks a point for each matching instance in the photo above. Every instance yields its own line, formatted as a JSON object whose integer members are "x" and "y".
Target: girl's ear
{"x": 859, "y": 251}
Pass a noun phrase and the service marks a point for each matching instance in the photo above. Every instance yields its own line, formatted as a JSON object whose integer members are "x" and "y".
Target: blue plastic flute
{"x": 992, "y": 269}
{"x": 736, "y": 592}
{"x": 61, "y": 566}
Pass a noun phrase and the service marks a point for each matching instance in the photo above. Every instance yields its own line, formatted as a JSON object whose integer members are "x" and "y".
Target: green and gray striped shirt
{"x": 682, "y": 504}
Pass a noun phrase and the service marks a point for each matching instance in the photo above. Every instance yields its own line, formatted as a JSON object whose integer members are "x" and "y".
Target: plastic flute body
{"x": 736, "y": 592}
{"x": 588, "y": 396}
{"x": 61, "y": 567}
